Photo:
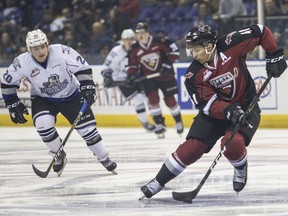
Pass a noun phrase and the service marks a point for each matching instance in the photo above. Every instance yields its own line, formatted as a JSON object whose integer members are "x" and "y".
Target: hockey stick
{"x": 122, "y": 83}
{"x": 190, "y": 195}
{"x": 60, "y": 150}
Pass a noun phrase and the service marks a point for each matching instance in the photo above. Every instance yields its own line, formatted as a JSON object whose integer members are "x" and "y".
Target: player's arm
{"x": 107, "y": 68}
{"x": 172, "y": 55}
{"x": 83, "y": 73}
{"x": 9, "y": 84}
{"x": 261, "y": 35}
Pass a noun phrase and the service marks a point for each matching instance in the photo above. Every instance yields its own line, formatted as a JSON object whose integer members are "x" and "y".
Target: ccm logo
{"x": 275, "y": 59}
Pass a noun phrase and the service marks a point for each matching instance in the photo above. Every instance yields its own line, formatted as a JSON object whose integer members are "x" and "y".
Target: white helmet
{"x": 35, "y": 38}
{"x": 127, "y": 33}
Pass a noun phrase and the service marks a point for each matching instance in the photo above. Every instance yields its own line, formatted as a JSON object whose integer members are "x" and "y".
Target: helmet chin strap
{"x": 209, "y": 53}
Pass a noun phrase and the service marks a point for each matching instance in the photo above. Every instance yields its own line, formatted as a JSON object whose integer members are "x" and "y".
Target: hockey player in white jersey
{"x": 114, "y": 70}
{"x": 54, "y": 72}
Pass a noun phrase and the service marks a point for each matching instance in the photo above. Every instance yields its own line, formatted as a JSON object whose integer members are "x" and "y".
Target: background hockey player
{"x": 53, "y": 72}
{"x": 221, "y": 87}
{"x": 114, "y": 69}
{"x": 152, "y": 55}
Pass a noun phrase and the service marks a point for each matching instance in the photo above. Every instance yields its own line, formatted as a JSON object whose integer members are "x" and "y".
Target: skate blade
{"x": 161, "y": 136}
{"x": 141, "y": 197}
{"x": 114, "y": 172}
{"x": 60, "y": 172}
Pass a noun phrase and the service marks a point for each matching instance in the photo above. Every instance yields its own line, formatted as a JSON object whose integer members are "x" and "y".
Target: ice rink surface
{"x": 85, "y": 188}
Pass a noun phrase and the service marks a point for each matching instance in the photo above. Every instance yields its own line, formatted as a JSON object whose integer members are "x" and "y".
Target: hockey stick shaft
{"x": 190, "y": 195}
{"x": 60, "y": 150}
{"x": 122, "y": 83}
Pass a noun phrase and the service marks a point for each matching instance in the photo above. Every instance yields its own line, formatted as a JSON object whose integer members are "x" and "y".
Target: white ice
{"x": 85, "y": 188}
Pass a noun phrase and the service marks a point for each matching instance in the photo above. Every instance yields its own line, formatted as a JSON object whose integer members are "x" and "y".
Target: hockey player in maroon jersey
{"x": 150, "y": 55}
{"x": 221, "y": 87}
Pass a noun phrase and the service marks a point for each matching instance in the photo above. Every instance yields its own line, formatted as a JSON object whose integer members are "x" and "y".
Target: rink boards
{"x": 111, "y": 109}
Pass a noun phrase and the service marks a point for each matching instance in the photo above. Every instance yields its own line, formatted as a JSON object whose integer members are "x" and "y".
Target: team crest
{"x": 53, "y": 86}
{"x": 225, "y": 84}
{"x": 150, "y": 61}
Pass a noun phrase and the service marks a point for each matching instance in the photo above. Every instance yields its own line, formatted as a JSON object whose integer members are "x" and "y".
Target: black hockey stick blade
{"x": 186, "y": 197}
{"x": 40, "y": 173}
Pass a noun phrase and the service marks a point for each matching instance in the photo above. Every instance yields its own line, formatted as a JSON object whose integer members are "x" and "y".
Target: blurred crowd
{"x": 93, "y": 27}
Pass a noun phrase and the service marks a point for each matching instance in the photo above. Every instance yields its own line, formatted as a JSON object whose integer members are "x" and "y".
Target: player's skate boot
{"x": 160, "y": 131}
{"x": 149, "y": 127}
{"x": 179, "y": 128}
{"x": 109, "y": 165}
{"x": 60, "y": 163}
{"x": 240, "y": 177}
{"x": 152, "y": 188}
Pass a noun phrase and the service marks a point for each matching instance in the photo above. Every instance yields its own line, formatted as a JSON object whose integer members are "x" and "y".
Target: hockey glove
{"x": 88, "y": 91}
{"x": 130, "y": 80}
{"x": 165, "y": 69}
{"x": 275, "y": 63}
{"x": 108, "y": 80}
{"x": 17, "y": 110}
{"x": 235, "y": 114}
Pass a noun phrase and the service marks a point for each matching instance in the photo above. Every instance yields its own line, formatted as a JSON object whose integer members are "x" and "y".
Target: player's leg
{"x": 43, "y": 115}
{"x": 202, "y": 136}
{"x": 236, "y": 151}
{"x": 169, "y": 89}
{"x": 86, "y": 128}
{"x": 138, "y": 100}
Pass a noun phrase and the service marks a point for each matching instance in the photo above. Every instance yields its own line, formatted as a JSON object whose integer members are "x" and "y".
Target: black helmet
{"x": 142, "y": 25}
{"x": 202, "y": 34}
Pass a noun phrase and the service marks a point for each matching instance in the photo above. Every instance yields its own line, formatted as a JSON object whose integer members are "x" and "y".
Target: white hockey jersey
{"x": 116, "y": 61}
{"x": 55, "y": 81}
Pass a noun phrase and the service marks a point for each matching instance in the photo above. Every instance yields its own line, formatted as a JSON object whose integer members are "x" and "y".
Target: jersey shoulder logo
{"x": 34, "y": 72}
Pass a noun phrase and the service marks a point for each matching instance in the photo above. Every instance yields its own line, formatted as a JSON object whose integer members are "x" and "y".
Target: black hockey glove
{"x": 165, "y": 69}
{"x": 17, "y": 110}
{"x": 130, "y": 80}
{"x": 275, "y": 63}
{"x": 108, "y": 80}
{"x": 88, "y": 91}
{"x": 235, "y": 114}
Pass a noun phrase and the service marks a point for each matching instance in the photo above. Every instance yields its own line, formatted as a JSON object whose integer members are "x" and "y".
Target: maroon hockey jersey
{"x": 227, "y": 80}
{"x": 147, "y": 59}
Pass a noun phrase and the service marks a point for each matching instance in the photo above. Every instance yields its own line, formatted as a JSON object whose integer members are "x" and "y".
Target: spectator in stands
{"x": 275, "y": 24}
{"x": 8, "y": 49}
{"x": 99, "y": 38}
{"x": 44, "y": 24}
{"x": 284, "y": 6}
{"x": 124, "y": 15}
{"x": 228, "y": 10}
{"x": 10, "y": 17}
{"x": 204, "y": 16}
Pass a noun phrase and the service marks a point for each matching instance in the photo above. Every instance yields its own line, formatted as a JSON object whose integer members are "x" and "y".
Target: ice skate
{"x": 150, "y": 189}
{"x": 240, "y": 177}
{"x": 179, "y": 128}
{"x": 149, "y": 127}
{"x": 160, "y": 131}
{"x": 109, "y": 165}
{"x": 60, "y": 163}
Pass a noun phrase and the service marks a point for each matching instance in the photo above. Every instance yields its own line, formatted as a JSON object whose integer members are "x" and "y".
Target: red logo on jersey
{"x": 228, "y": 38}
{"x": 188, "y": 75}
{"x": 35, "y": 72}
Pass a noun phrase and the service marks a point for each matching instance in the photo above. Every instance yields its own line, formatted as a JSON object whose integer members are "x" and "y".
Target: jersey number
{"x": 7, "y": 77}
{"x": 81, "y": 60}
